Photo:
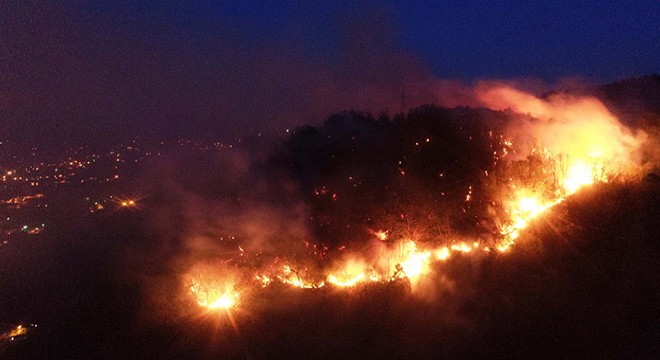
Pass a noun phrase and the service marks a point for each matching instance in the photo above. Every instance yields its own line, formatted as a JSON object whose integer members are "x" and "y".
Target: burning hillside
{"x": 387, "y": 201}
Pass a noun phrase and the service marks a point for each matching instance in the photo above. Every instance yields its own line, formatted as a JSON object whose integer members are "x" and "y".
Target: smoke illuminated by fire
{"x": 577, "y": 141}
{"x": 578, "y": 131}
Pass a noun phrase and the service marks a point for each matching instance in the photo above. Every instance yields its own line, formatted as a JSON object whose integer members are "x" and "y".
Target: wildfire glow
{"x": 211, "y": 296}
{"x": 223, "y": 302}
{"x": 332, "y": 279}
{"x": 381, "y": 235}
{"x": 415, "y": 263}
{"x": 578, "y": 174}
{"x": 443, "y": 253}
{"x": 580, "y": 131}
{"x": 15, "y": 333}
{"x": 578, "y": 143}
{"x": 294, "y": 278}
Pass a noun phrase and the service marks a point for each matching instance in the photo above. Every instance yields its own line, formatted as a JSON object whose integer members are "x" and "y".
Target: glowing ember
{"x": 16, "y": 333}
{"x": 381, "y": 235}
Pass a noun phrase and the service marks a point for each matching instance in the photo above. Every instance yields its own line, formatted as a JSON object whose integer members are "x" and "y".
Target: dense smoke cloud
{"x": 617, "y": 121}
{"x": 578, "y": 125}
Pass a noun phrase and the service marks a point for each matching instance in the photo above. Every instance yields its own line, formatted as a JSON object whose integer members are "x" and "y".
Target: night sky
{"x": 71, "y": 71}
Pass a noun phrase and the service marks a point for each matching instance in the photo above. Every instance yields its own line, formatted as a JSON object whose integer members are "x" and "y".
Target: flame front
{"x": 212, "y": 296}
{"x": 415, "y": 263}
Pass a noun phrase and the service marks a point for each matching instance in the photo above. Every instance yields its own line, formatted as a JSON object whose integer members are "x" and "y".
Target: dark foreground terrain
{"x": 582, "y": 284}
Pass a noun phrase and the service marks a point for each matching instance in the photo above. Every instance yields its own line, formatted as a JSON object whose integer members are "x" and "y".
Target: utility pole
{"x": 404, "y": 107}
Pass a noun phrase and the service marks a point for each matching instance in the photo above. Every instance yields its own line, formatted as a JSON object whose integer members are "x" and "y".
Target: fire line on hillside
{"x": 577, "y": 141}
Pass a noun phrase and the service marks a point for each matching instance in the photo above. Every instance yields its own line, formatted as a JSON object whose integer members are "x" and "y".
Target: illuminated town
{"x": 32, "y": 185}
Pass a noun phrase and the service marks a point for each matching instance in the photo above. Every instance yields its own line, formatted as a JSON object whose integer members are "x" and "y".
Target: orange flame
{"x": 580, "y": 140}
{"x": 213, "y": 296}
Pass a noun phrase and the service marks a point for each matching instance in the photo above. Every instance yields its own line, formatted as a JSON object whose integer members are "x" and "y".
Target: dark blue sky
{"x": 602, "y": 40}
{"x": 166, "y": 68}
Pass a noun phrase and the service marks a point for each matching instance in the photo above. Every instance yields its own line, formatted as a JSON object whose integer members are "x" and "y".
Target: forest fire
{"x": 569, "y": 144}
{"x": 329, "y": 180}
